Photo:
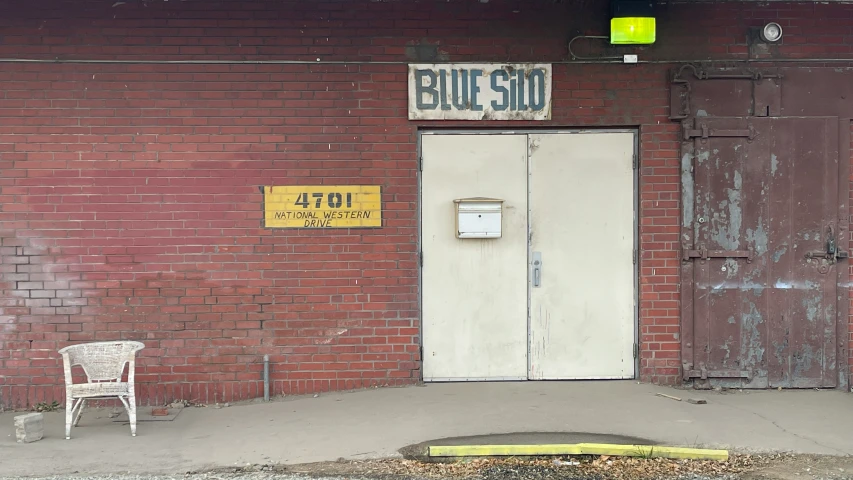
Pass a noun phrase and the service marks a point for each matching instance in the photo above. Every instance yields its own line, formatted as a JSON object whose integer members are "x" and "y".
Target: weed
{"x": 46, "y": 407}
{"x": 645, "y": 454}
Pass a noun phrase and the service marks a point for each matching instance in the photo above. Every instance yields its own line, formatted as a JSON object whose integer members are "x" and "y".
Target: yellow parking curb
{"x": 646, "y": 451}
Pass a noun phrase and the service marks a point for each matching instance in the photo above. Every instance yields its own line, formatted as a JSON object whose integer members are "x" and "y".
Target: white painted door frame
{"x": 636, "y": 209}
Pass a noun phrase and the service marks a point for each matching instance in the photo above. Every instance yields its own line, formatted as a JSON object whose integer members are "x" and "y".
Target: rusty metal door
{"x": 760, "y": 251}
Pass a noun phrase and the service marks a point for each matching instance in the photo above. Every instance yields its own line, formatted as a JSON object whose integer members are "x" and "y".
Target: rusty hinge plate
{"x": 679, "y": 99}
{"x": 706, "y": 254}
{"x": 704, "y": 132}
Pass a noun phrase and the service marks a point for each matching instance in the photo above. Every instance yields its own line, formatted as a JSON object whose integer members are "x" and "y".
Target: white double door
{"x": 490, "y": 311}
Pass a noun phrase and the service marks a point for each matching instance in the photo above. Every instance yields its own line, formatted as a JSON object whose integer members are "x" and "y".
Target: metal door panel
{"x": 721, "y": 97}
{"x": 582, "y": 232}
{"x": 763, "y": 194}
{"x": 726, "y": 319}
{"x": 474, "y": 291}
{"x": 803, "y": 353}
{"x": 725, "y": 93}
{"x": 767, "y": 97}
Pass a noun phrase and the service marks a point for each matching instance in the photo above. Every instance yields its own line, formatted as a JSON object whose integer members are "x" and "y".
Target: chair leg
{"x": 132, "y": 414}
{"x": 130, "y": 406}
{"x": 79, "y": 412}
{"x": 69, "y": 412}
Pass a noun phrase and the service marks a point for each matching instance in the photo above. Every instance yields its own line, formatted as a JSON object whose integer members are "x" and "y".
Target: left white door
{"x": 474, "y": 291}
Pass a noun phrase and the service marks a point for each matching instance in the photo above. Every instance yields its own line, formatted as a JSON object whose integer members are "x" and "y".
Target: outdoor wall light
{"x": 771, "y": 33}
{"x": 632, "y": 22}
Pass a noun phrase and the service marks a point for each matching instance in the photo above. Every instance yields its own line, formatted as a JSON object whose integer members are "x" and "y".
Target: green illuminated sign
{"x": 632, "y": 31}
{"x": 632, "y": 22}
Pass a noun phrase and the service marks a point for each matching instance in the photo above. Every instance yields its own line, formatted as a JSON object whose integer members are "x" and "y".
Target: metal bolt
{"x": 701, "y": 219}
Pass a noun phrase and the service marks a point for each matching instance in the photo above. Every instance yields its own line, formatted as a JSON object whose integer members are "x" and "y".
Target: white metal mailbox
{"x": 478, "y": 217}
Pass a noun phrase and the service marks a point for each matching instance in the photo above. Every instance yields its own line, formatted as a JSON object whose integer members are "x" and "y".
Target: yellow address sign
{"x": 323, "y": 206}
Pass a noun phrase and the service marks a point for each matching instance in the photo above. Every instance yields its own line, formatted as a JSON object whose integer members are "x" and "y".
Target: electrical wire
{"x": 593, "y": 37}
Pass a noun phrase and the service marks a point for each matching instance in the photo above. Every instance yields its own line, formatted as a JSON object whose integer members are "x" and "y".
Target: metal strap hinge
{"x": 706, "y": 374}
{"x": 705, "y": 132}
{"x": 706, "y": 75}
{"x": 706, "y": 254}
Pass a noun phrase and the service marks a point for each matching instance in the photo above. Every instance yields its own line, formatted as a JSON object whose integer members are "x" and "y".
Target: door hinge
{"x": 421, "y": 258}
{"x": 635, "y": 256}
{"x": 635, "y": 161}
{"x": 420, "y": 163}
{"x": 704, "y": 374}
{"x": 704, "y": 254}
{"x": 704, "y": 132}
{"x": 636, "y": 350}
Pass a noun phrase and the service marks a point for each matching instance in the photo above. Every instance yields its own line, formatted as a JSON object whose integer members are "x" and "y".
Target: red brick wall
{"x": 130, "y": 204}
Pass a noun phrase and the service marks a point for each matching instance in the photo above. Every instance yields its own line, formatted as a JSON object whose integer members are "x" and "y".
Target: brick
{"x": 145, "y": 193}
{"x": 42, "y": 293}
{"x": 29, "y": 428}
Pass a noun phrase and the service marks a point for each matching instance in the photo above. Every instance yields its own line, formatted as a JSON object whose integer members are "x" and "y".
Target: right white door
{"x": 582, "y": 299}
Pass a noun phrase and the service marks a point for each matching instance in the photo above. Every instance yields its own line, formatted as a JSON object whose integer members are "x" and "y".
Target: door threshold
{"x": 474, "y": 379}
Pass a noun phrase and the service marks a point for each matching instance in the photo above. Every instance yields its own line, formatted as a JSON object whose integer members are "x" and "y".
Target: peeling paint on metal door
{"x": 760, "y": 237}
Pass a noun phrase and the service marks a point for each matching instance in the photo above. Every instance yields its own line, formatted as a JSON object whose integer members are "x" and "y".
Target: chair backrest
{"x": 101, "y": 360}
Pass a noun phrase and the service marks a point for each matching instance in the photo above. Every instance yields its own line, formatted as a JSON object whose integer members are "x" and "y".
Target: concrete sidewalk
{"x": 376, "y": 423}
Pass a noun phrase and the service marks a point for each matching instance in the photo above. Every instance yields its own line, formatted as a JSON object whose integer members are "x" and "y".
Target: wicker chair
{"x": 103, "y": 363}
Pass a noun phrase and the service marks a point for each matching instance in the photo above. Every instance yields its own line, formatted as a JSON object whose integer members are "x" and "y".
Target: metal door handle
{"x": 537, "y": 269}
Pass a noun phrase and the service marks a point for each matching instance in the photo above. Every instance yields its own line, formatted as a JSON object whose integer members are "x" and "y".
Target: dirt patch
{"x": 805, "y": 467}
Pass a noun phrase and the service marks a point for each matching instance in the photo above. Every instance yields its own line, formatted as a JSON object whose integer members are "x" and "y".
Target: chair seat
{"x": 88, "y": 390}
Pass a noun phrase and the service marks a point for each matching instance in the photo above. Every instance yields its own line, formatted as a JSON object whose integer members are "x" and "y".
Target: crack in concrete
{"x": 785, "y": 430}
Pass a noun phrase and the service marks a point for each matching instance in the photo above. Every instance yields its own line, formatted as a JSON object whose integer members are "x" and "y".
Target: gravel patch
{"x": 548, "y": 468}
{"x": 195, "y": 476}
{"x": 738, "y": 467}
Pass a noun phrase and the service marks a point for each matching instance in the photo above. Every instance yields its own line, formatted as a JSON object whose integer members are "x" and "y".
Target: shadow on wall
{"x": 36, "y": 303}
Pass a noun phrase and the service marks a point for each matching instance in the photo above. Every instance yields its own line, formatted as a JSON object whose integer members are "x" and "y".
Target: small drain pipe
{"x": 266, "y": 378}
